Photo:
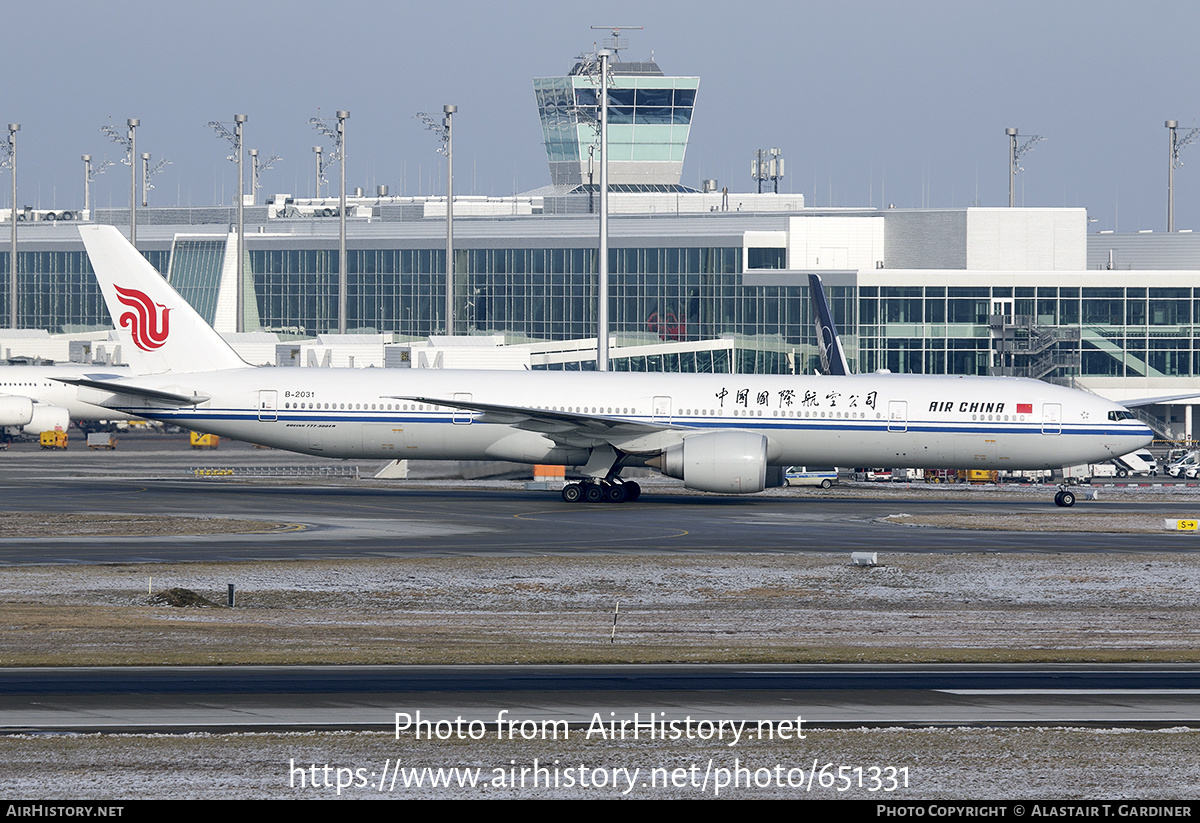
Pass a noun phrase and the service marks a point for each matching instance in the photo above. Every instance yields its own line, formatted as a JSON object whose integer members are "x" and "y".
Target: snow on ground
{"x": 559, "y": 609}
{"x": 927, "y": 764}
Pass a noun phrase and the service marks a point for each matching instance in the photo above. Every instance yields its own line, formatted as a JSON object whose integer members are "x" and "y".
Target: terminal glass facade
{"x": 57, "y": 290}
{"x": 659, "y": 293}
{"x": 1122, "y": 332}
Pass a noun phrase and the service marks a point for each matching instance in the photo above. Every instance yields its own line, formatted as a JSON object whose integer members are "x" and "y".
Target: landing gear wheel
{"x": 571, "y": 493}
{"x": 616, "y": 493}
{"x": 632, "y": 491}
{"x": 593, "y": 493}
{"x": 1064, "y": 499}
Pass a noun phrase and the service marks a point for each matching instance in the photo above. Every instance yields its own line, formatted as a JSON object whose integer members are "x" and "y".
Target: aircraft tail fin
{"x": 833, "y": 356}
{"x": 159, "y": 331}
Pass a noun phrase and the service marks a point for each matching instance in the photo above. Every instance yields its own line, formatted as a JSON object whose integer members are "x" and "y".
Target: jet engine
{"x": 730, "y": 462}
{"x": 15, "y": 411}
{"x": 48, "y": 418}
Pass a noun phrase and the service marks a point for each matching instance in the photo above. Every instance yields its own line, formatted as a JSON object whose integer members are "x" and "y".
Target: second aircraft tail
{"x": 833, "y": 356}
{"x": 160, "y": 332}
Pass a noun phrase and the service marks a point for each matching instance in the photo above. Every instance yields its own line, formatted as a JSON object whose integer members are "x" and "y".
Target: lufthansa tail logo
{"x": 148, "y": 326}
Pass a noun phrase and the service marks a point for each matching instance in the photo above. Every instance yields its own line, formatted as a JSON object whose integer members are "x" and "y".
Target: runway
{"x": 364, "y": 518}
{"x": 367, "y": 518}
{"x": 256, "y": 698}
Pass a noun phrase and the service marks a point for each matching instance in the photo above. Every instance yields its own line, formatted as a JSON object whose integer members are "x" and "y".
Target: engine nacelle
{"x": 48, "y": 419}
{"x": 730, "y": 462}
{"x": 15, "y": 411}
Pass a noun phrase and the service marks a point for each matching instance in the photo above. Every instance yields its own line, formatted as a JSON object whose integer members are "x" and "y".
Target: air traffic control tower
{"x": 649, "y": 118}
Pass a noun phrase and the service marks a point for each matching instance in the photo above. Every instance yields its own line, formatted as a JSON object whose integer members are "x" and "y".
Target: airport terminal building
{"x": 702, "y": 280}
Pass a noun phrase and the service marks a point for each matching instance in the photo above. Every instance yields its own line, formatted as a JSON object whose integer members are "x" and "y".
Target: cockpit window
{"x": 1122, "y": 414}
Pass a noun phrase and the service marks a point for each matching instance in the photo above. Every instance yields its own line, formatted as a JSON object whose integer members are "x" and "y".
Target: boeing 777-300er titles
{"x": 716, "y": 432}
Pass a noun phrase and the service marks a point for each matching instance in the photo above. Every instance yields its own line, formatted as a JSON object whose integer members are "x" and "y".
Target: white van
{"x": 807, "y": 476}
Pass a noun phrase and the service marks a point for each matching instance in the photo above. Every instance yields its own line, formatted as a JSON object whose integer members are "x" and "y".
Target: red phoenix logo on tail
{"x": 144, "y": 319}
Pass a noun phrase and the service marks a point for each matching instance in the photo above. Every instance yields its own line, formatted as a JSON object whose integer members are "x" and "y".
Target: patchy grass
{"x": 735, "y": 608}
{"x": 40, "y": 524}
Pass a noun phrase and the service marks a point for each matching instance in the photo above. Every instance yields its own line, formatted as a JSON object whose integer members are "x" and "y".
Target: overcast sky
{"x": 871, "y": 102}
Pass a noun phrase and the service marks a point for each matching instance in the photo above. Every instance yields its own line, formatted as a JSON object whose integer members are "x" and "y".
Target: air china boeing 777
{"x": 716, "y": 432}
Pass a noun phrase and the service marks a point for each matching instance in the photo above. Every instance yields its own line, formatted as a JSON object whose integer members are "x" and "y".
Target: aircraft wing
{"x": 572, "y": 428}
{"x": 1150, "y": 401}
{"x": 128, "y": 390}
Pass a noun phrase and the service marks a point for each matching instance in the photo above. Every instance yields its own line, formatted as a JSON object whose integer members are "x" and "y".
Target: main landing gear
{"x": 602, "y": 491}
{"x": 603, "y": 483}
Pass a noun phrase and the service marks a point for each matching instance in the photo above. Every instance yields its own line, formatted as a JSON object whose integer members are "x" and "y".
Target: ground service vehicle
{"x": 53, "y": 439}
{"x": 808, "y": 476}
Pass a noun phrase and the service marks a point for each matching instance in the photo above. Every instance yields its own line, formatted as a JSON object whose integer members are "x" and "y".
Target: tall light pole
{"x": 339, "y": 153}
{"x": 149, "y": 171}
{"x": 238, "y": 156}
{"x": 13, "y": 267}
{"x": 257, "y": 168}
{"x": 317, "y": 178}
{"x": 343, "y": 280}
{"x": 1014, "y": 157}
{"x": 445, "y": 131}
{"x": 90, "y": 174}
{"x": 145, "y": 174}
{"x": 604, "y": 57}
{"x": 1175, "y": 143}
{"x": 449, "y": 111}
{"x": 129, "y": 143}
{"x": 239, "y": 120}
{"x": 602, "y": 272}
{"x": 133, "y": 123}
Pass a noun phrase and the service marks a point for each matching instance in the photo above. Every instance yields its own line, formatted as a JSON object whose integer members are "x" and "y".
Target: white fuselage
{"x": 893, "y": 420}
{"x": 39, "y": 384}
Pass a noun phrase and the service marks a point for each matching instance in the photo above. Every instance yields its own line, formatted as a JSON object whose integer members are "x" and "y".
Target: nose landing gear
{"x": 1064, "y": 499}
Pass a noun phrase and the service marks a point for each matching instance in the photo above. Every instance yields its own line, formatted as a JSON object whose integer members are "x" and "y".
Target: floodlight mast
{"x": 133, "y": 123}
{"x": 145, "y": 175}
{"x": 445, "y": 132}
{"x": 339, "y": 153}
{"x": 342, "y": 279}
{"x": 148, "y": 172}
{"x": 603, "y": 56}
{"x": 319, "y": 172}
{"x": 1174, "y": 145}
{"x": 10, "y": 161}
{"x": 235, "y": 139}
{"x": 128, "y": 142}
{"x": 1014, "y": 157}
{"x": 257, "y": 168}
{"x": 90, "y": 173}
{"x": 602, "y": 268}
